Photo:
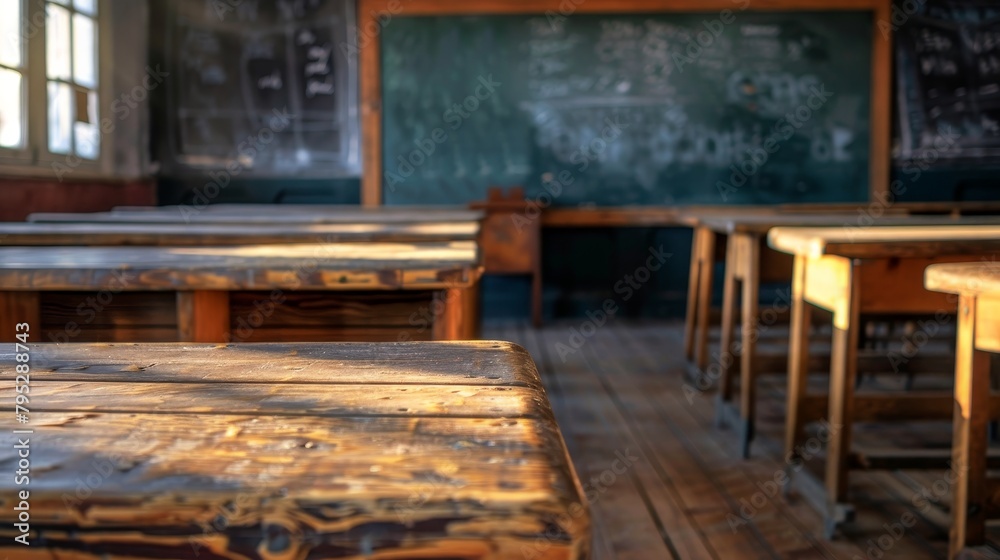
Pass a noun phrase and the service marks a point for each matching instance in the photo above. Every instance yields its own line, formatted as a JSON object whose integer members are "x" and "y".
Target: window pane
{"x": 84, "y": 51}
{"x": 60, "y": 117}
{"x": 57, "y": 42}
{"x": 10, "y": 35}
{"x": 86, "y": 6}
{"x": 86, "y": 134}
{"x": 11, "y": 117}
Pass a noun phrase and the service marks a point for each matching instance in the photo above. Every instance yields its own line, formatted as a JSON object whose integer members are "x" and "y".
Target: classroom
{"x": 500, "y": 279}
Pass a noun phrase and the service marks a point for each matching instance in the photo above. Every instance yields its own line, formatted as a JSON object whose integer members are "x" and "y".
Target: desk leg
{"x": 471, "y": 305}
{"x": 694, "y": 283}
{"x": 536, "y": 297}
{"x": 704, "y": 298}
{"x": 458, "y": 318}
{"x": 203, "y": 316}
{"x": 727, "y": 354}
{"x": 843, "y": 371}
{"x": 750, "y": 265}
{"x": 798, "y": 358}
{"x": 972, "y": 387}
{"x": 20, "y": 307}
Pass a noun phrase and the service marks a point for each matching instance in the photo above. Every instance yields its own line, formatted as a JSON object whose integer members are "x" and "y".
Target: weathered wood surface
{"x": 760, "y": 224}
{"x": 77, "y": 234}
{"x": 751, "y": 219}
{"x": 886, "y": 242}
{"x": 713, "y": 224}
{"x": 336, "y": 266}
{"x": 851, "y": 272}
{"x": 976, "y": 495}
{"x": 964, "y": 278}
{"x": 268, "y": 214}
{"x": 695, "y": 216}
{"x": 747, "y": 261}
{"x": 422, "y": 450}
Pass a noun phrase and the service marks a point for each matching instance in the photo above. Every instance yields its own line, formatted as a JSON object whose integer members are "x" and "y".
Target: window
{"x": 12, "y": 66}
{"x": 50, "y": 82}
{"x": 71, "y": 72}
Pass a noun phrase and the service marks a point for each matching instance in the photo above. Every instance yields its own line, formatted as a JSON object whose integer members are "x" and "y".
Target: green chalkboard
{"x": 628, "y": 109}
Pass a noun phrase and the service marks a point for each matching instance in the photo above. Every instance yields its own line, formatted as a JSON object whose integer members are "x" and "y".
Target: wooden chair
{"x": 511, "y": 240}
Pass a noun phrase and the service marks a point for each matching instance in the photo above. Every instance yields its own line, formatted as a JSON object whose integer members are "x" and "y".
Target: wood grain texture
{"x": 970, "y": 441}
{"x": 15, "y": 308}
{"x": 886, "y": 242}
{"x": 270, "y": 214}
{"x": 370, "y": 101}
{"x": 973, "y": 278}
{"x": 760, "y": 224}
{"x": 87, "y": 233}
{"x": 476, "y": 363}
{"x": 94, "y": 310}
{"x": 337, "y": 266}
{"x": 881, "y": 109}
{"x": 419, "y": 450}
{"x": 978, "y": 287}
{"x": 987, "y": 325}
{"x": 314, "y": 309}
{"x": 203, "y": 316}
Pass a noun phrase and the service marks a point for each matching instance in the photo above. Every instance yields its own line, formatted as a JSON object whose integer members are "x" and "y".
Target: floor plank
{"x": 689, "y": 494}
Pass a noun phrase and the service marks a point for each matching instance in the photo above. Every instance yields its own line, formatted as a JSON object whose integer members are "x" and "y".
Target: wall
{"x": 20, "y": 197}
{"x": 123, "y": 176}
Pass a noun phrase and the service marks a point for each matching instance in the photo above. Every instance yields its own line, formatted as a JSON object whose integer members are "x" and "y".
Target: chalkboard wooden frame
{"x": 372, "y": 14}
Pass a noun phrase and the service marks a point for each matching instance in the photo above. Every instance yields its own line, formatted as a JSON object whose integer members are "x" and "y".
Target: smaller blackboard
{"x": 263, "y": 87}
{"x": 948, "y": 65}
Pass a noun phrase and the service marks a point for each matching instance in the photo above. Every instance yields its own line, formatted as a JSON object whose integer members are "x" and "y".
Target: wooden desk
{"x": 386, "y": 291}
{"x": 419, "y": 450}
{"x": 850, "y": 272}
{"x": 83, "y": 234}
{"x": 253, "y": 214}
{"x": 709, "y": 248}
{"x": 749, "y": 262}
{"x": 974, "y": 495}
{"x": 707, "y": 242}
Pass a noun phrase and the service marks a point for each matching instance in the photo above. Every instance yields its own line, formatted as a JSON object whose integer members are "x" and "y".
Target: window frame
{"x": 34, "y": 159}
{"x": 25, "y": 151}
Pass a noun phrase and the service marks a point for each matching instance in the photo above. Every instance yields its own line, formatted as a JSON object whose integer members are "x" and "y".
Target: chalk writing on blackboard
{"x": 242, "y": 60}
{"x": 948, "y": 65}
{"x": 683, "y": 124}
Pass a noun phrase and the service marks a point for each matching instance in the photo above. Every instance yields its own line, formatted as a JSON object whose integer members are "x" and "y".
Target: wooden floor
{"x": 687, "y": 494}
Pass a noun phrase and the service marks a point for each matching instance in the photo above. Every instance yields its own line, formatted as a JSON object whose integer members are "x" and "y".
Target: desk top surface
{"x": 964, "y": 278}
{"x": 886, "y": 241}
{"x": 328, "y": 266}
{"x": 760, "y": 223}
{"x": 245, "y": 214}
{"x": 82, "y": 234}
{"x": 853, "y": 213}
{"x": 425, "y": 449}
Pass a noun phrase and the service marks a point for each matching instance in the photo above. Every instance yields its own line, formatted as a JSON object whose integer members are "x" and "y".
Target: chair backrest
{"x": 511, "y": 234}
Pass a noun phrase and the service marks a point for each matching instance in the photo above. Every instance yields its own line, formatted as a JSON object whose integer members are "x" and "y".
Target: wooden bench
{"x": 418, "y": 450}
{"x": 749, "y": 263}
{"x": 83, "y": 234}
{"x": 976, "y": 498}
{"x": 852, "y": 272}
{"x": 256, "y": 293}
